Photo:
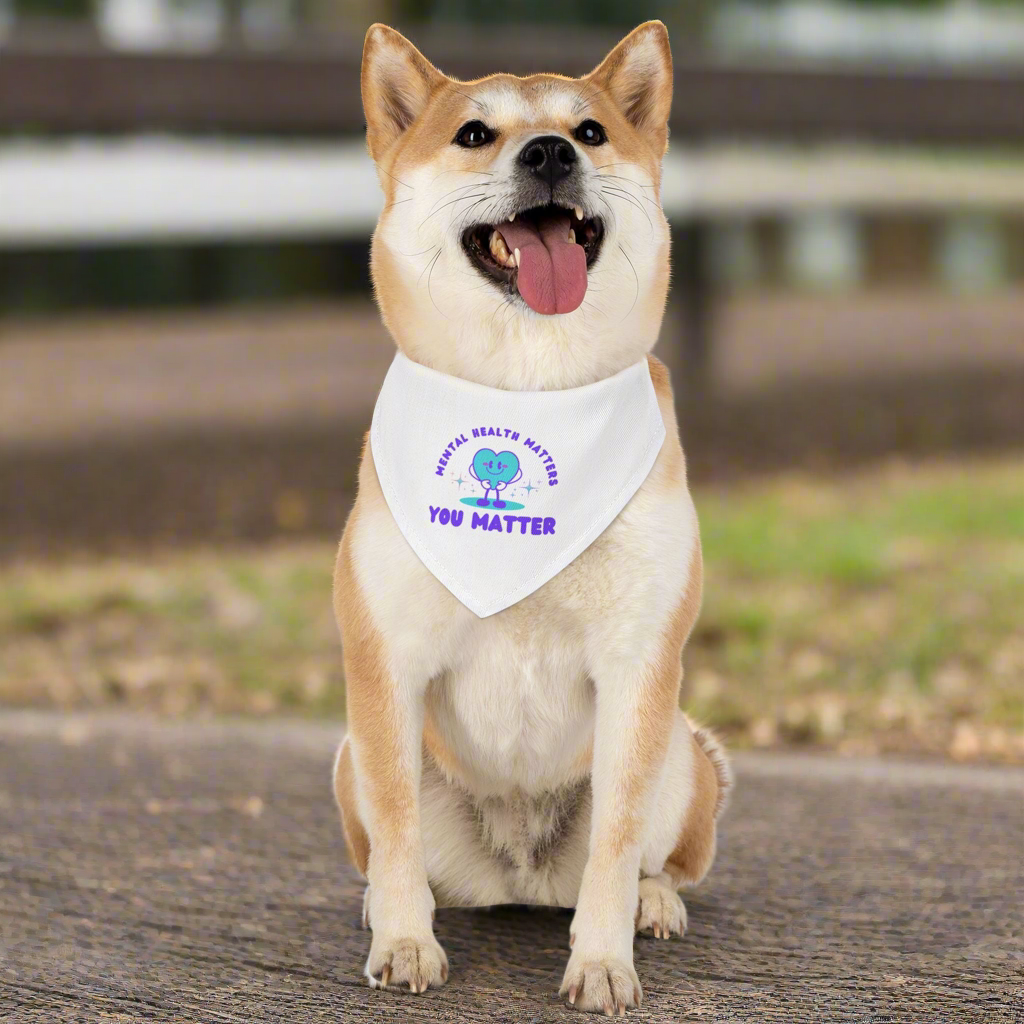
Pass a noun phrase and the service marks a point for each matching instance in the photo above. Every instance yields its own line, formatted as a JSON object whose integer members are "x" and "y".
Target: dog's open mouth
{"x": 543, "y": 253}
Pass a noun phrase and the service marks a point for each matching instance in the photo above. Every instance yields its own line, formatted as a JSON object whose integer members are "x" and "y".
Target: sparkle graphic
{"x": 528, "y": 487}
{"x": 459, "y": 481}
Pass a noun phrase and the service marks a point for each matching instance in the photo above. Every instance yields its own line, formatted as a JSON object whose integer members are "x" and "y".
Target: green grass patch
{"x": 882, "y": 611}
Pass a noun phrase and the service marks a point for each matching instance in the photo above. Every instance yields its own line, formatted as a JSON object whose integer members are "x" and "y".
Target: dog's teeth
{"x": 579, "y": 212}
{"x": 517, "y": 257}
{"x": 499, "y": 250}
{"x": 512, "y": 218}
{"x": 572, "y": 235}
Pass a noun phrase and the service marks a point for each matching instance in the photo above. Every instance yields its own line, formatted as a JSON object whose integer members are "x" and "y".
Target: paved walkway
{"x": 195, "y": 873}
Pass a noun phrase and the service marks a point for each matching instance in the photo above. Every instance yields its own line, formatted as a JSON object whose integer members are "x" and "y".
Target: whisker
{"x": 429, "y": 265}
{"x": 510, "y": 316}
{"x": 636, "y": 294}
{"x": 630, "y": 181}
{"x": 472, "y": 99}
{"x": 616, "y": 163}
{"x": 579, "y": 103}
{"x": 431, "y": 294}
{"x": 393, "y": 178}
{"x": 409, "y": 255}
{"x": 506, "y": 302}
{"x": 587, "y": 84}
{"x": 451, "y": 202}
{"x": 622, "y": 194}
{"x": 637, "y": 195}
{"x": 459, "y": 170}
{"x": 461, "y": 188}
{"x": 469, "y": 209}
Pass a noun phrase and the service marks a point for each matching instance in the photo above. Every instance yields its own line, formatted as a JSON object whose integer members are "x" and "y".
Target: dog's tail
{"x": 715, "y": 751}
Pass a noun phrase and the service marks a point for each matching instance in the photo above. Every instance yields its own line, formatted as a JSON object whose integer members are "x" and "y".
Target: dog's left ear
{"x": 397, "y": 82}
{"x": 637, "y": 74}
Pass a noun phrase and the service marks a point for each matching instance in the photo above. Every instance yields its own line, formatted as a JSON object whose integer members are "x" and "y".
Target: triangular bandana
{"x": 497, "y": 491}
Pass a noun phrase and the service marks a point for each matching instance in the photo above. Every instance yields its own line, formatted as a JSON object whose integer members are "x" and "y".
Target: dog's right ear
{"x": 396, "y": 82}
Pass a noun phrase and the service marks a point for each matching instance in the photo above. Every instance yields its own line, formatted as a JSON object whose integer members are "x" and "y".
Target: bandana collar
{"x": 498, "y": 491}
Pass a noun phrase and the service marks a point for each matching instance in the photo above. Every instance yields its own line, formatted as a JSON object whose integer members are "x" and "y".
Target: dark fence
{"x": 315, "y": 91}
{"x": 312, "y": 89}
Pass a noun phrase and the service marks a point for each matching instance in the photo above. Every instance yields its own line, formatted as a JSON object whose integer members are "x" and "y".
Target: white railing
{"x": 90, "y": 191}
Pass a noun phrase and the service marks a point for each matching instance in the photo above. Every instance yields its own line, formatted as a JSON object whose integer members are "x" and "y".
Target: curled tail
{"x": 715, "y": 751}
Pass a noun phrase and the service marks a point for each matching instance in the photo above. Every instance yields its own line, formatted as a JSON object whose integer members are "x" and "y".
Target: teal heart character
{"x": 493, "y": 468}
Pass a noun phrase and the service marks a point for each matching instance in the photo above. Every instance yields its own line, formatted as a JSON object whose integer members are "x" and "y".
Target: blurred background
{"x": 189, "y": 352}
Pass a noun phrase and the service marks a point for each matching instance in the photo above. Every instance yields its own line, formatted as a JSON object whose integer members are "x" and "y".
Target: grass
{"x": 882, "y": 611}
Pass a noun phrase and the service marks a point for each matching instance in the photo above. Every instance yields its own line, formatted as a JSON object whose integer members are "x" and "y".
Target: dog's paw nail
{"x": 622, "y": 1009}
{"x": 662, "y": 911}
{"x": 572, "y": 939}
{"x": 572, "y": 995}
{"x": 412, "y": 965}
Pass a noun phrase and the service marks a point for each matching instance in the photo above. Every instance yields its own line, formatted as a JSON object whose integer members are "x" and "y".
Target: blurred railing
{"x": 83, "y": 86}
{"x": 311, "y": 91}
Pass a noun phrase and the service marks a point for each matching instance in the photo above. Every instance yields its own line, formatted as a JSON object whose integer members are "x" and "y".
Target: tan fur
{"x": 443, "y": 755}
{"x": 397, "y": 83}
{"x": 357, "y": 842}
{"x": 642, "y": 95}
{"x": 654, "y": 719}
{"x": 672, "y": 465}
{"x": 538, "y": 755}
{"x": 447, "y": 103}
{"x": 514, "y": 105}
{"x": 714, "y": 751}
{"x": 689, "y": 862}
{"x": 370, "y": 702}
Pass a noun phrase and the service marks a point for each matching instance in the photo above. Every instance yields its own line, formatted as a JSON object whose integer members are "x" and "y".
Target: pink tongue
{"x": 552, "y": 270}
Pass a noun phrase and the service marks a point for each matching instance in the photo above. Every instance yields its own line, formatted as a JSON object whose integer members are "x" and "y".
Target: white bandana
{"x": 497, "y": 491}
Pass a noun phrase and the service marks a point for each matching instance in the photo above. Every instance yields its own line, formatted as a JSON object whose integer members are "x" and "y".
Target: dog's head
{"x": 522, "y": 243}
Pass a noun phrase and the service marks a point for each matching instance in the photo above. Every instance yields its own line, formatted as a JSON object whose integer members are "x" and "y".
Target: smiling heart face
{"x": 495, "y": 467}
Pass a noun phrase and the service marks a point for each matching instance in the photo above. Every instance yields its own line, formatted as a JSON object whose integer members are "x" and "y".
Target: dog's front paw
{"x": 418, "y": 963}
{"x": 660, "y": 909}
{"x": 601, "y": 984}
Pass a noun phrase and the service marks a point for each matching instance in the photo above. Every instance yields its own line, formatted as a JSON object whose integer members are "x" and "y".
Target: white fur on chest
{"x": 516, "y": 702}
{"x": 512, "y": 693}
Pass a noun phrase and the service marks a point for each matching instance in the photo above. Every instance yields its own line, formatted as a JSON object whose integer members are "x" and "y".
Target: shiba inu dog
{"x": 537, "y": 755}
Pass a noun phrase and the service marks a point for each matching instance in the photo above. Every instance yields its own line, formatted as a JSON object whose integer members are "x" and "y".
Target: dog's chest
{"x": 516, "y": 702}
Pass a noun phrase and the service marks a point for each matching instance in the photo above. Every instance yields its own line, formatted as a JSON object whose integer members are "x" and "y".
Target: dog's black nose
{"x": 550, "y": 158}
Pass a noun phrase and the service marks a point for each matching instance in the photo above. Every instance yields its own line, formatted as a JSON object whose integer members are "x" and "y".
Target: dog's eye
{"x": 590, "y": 133}
{"x": 473, "y": 134}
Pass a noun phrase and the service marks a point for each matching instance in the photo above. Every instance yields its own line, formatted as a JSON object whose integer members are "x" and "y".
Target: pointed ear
{"x": 637, "y": 75}
{"x": 396, "y": 82}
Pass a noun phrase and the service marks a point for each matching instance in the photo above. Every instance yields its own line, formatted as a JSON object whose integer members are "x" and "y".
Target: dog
{"x": 537, "y": 755}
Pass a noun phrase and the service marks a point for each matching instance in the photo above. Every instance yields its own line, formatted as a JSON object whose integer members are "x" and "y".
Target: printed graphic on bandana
{"x": 500, "y": 476}
{"x": 497, "y": 491}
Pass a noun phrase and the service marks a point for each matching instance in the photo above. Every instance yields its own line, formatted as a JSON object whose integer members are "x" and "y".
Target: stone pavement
{"x": 194, "y": 872}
